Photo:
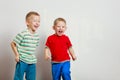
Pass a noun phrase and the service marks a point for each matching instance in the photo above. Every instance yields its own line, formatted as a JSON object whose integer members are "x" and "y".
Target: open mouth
{"x": 60, "y": 31}
{"x": 36, "y": 26}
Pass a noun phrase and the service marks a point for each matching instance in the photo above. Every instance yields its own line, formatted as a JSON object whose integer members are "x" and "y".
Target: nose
{"x": 38, "y": 23}
{"x": 61, "y": 27}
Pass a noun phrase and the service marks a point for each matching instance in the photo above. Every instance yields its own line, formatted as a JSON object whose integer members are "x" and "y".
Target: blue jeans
{"x": 29, "y": 69}
{"x": 61, "y": 70}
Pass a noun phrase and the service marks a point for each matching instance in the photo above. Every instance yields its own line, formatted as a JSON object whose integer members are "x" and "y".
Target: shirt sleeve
{"x": 69, "y": 44}
{"x": 37, "y": 44}
{"x": 47, "y": 42}
{"x": 18, "y": 38}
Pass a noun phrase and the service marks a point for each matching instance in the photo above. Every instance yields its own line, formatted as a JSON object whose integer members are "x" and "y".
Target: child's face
{"x": 60, "y": 28}
{"x": 33, "y": 22}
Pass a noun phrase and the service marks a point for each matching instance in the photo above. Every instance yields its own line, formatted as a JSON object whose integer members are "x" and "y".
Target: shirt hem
{"x": 60, "y": 61}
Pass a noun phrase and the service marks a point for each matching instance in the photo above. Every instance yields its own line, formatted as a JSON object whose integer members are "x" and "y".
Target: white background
{"x": 93, "y": 27}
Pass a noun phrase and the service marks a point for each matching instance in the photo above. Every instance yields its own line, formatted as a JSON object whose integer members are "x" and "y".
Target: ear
{"x": 27, "y": 23}
{"x": 53, "y": 27}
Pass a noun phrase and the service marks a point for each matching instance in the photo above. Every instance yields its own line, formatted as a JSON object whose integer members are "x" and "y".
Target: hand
{"x": 47, "y": 57}
{"x": 17, "y": 59}
{"x": 74, "y": 58}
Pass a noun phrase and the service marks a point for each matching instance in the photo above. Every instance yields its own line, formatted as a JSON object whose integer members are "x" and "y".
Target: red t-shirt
{"x": 58, "y": 46}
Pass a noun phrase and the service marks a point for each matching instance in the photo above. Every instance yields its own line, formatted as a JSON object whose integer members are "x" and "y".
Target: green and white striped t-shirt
{"x": 26, "y": 45}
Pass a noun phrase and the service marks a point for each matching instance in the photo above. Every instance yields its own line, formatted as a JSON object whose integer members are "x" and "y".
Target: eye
{"x": 63, "y": 26}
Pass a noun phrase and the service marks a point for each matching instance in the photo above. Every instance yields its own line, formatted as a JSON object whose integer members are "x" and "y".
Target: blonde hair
{"x": 31, "y": 13}
{"x": 59, "y": 19}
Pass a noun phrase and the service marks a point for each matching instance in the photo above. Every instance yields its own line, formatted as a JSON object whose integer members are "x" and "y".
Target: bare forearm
{"x": 71, "y": 51}
{"x": 47, "y": 53}
{"x": 14, "y": 48}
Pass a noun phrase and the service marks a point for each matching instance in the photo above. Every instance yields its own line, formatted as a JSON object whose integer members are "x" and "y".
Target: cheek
{"x": 65, "y": 29}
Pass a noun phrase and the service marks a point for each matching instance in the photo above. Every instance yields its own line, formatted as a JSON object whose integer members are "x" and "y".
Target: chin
{"x": 59, "y": 34}
{"x": 35, "y": 29}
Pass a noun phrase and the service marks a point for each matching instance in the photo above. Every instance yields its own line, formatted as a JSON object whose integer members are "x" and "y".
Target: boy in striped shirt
{"x": 24, "y": 47}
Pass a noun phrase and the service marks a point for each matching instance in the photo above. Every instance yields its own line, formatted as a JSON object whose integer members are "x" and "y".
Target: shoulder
{"x": 21, "y": 34}
{"x": 51, "y": 36}
{"x": 65, "y": 36}
{"x": 24, "y": 32}
{"x": 36, "y": 34}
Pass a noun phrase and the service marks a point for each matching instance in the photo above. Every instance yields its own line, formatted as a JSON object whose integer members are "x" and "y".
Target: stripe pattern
{"x": 26, "y": 45}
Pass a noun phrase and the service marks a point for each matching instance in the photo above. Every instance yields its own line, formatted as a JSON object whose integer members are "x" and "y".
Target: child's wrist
{"x": 74, "y": 58}
{"x": 17, "y": 56}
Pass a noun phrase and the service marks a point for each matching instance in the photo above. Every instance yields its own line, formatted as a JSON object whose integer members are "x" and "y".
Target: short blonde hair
{"x": 59, "y": 19}
{"x": 31, "y": 13}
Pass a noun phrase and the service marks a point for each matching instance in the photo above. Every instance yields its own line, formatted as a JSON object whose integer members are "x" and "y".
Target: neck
{"x": 58, "y": 35}
{"x": 31, "y": 31}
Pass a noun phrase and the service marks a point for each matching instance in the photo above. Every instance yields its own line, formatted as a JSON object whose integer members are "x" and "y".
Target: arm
{"x": 47, "y": 53}
{"x": 14, "y": 48}
{"x": 71, "y": 51}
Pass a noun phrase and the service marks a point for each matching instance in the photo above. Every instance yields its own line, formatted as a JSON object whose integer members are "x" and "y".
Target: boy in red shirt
{"x": 60, "y": 47}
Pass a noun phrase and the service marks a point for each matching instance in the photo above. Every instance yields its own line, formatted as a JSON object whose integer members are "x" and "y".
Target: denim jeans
{"x": 61, "y": 70}
{"x": 28, "y": 69}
